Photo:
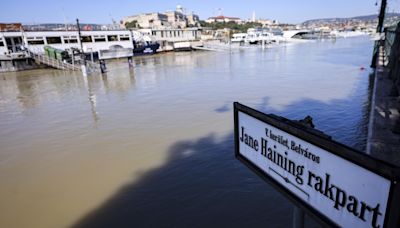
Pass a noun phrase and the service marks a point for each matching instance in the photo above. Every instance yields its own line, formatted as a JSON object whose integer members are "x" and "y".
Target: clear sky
{"x": 101, "y": 11}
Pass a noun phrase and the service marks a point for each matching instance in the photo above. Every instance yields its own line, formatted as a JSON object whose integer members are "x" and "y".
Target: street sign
{"x": 336, "y": 184}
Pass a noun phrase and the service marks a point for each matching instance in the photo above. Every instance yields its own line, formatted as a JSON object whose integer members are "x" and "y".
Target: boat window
{"x": 124, "y": 38}
{"x": 162, "y": 34}
{"x": 35, "y": 42}
{"x": 174, "y": 33}
{"x": 112, "y": 38}
{"x": 100, "y": 39}
{"x": 153, "y": 33}
{"x": 70, "y": 41}
{"x": 53, "y": 40}
{"x": 1, "y": 44}
{"x": 86, "y": 39}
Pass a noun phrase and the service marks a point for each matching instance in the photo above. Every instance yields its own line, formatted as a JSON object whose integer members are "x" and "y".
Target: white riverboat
{"x": 298, "y": 36}
{"x": 238, "y": 37}
{"x": 259, "y": 35}
{"x": 346, "y": 34}
{"x": 144, "y": 41}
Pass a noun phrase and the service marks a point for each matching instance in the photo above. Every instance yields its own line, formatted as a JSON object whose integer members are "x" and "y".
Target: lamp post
{"x": 381, "y": 16}
{"x": 79, "y": 34}
{"x": 83, "y": 58}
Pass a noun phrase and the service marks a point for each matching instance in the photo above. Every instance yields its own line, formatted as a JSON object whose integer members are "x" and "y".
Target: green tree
{"x": 132, "y": 24}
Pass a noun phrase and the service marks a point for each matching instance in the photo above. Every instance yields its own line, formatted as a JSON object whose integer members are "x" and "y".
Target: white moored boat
{"x": 238, "y": 37}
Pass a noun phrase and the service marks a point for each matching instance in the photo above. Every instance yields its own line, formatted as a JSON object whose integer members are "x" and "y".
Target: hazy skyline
{"x": 101, "y": 11}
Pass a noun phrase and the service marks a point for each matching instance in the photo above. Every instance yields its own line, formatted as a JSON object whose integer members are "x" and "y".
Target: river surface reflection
{"x": 153, "y": 146}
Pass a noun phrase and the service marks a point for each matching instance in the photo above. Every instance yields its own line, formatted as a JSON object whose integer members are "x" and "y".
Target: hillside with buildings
{"x": 175, "y": 19}
{"x": 358, "y": 19}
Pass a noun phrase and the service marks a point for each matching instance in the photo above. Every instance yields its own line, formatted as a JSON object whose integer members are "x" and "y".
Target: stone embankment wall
{"x": 384, "y": 126}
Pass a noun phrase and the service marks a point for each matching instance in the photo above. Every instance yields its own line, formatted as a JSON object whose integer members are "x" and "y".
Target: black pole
{"x": 379, "y": 28}
{"x": 381, "y": 17}
{"x": 298, "y": 217}
{"x": 83, "y": 57}
{"x": 79, "y": 34}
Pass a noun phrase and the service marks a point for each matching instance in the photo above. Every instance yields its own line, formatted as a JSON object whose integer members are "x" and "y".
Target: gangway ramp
{"x": 54, "y": 63}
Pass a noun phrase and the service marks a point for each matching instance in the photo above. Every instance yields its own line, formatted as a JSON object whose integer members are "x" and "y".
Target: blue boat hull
{"x": 147, "y": 49}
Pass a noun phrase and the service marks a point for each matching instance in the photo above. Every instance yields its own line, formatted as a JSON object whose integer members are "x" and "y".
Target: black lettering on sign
{"x": 282, "y": 161}
{"x": 342, "y": 200}
{"x": 248, "y": 140}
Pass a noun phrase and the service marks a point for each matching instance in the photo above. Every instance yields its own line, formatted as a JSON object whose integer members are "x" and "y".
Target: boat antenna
{"x": 65, "y": 19}
{"x": 114, "y": 23}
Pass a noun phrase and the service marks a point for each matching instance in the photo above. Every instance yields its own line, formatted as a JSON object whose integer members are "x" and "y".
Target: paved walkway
{"x": 383, "y": 143}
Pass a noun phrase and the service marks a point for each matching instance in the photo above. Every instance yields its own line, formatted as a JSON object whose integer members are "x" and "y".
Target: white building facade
{"x": 176, "y": 19}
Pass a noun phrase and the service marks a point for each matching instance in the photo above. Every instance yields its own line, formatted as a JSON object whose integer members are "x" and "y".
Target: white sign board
{"x": 346, "y": 193}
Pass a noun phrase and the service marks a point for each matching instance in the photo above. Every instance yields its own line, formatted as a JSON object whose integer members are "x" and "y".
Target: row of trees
{"x": 231, "y": 25}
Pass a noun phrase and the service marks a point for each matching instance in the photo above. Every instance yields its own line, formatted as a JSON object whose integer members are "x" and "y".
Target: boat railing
{"x": 51, "y": 62}
{"x": 91, "y": 67}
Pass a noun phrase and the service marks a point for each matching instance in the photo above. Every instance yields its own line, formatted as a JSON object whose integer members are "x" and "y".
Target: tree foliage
{"x": 131, "y": 25}
{"x": 231, "y": 25}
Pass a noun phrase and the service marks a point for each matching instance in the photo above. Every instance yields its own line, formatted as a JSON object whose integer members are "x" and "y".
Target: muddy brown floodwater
{"x": 153, "y": 147}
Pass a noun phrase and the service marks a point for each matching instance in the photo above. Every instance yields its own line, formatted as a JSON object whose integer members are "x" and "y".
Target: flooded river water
{"x": 153, "y": 147}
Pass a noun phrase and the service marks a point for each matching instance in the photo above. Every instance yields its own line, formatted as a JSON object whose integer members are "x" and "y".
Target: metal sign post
{"x": 333, "y": 183}
{"x": 298, "y": 217}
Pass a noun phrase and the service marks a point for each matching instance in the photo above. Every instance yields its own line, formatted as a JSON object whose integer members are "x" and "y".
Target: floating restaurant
{"x": 14, "y": 46}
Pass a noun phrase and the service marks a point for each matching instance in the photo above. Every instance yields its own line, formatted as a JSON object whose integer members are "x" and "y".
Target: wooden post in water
{"x": 73, "y": 59}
